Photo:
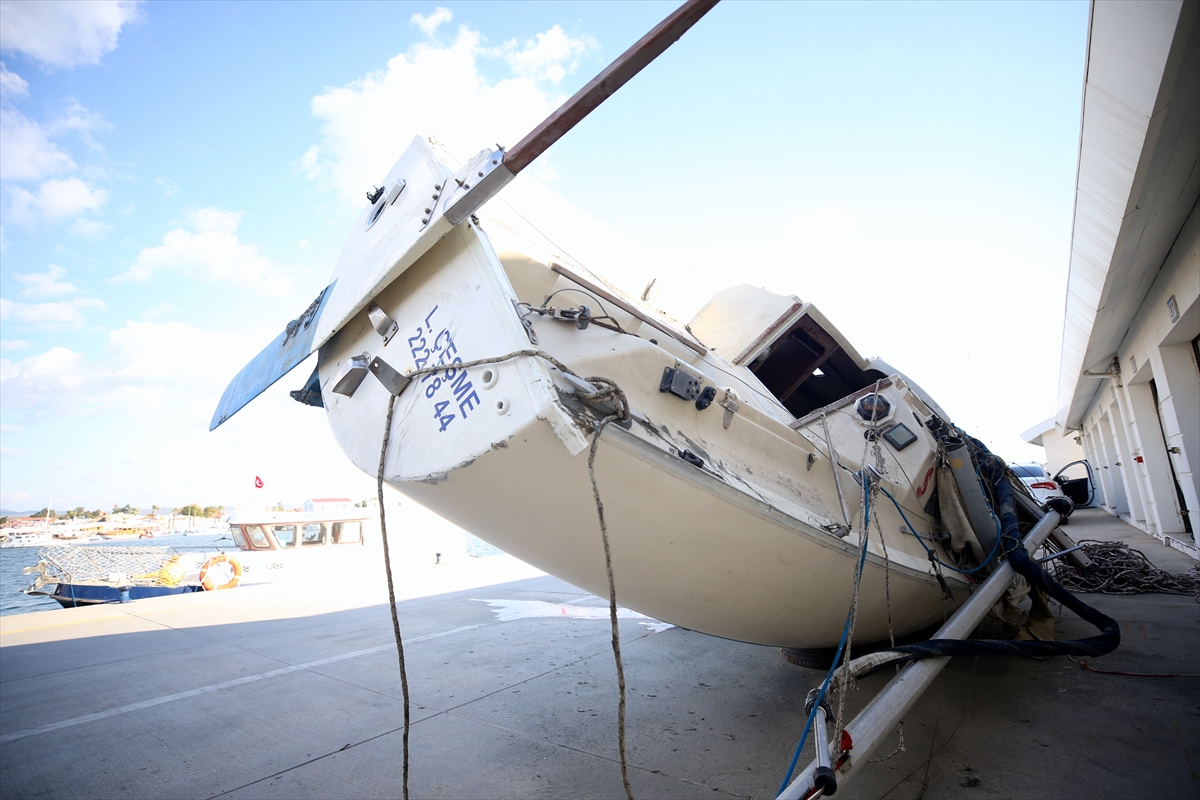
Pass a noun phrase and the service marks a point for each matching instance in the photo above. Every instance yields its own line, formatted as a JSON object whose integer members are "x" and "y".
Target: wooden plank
{"x": 599, "y": 88}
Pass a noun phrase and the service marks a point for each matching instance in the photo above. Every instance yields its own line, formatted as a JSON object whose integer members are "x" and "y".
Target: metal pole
{"x": 882, "y": 713}
{"x": 837, "y": 479}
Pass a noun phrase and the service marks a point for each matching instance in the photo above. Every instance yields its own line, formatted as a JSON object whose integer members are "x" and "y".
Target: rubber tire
{"x": 818, "y": 658}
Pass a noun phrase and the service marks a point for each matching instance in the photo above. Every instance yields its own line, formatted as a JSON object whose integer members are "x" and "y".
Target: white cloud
{"x": 160, "y": 311}
{"x": 91, "y": 228}
{"x": 152, "y": 351}
{"x": 28, "y": 153}
{"x": 56, "y": 199}
{"x": 77, "y": 119}
{"x": 12, "y": 85}
{"x": 210, "y": 251}
{"x": 13, "y": 344}
{"x": 149, "y": 364}
{"x": 550, "y": 57}
{"x": 49, "y": 316}
{"x": 15, "y": 499}
{"x": 438, "y": 91}
{"x": 6, "y": 428}
{"x": 169, "y": 187}
{"x": 11, "y": 452}
{"x": 42, "y": 379}
{"x": 429, "y": 24}
{"x": 214, "y": 219}
{"x": 309, "y": 164}
{"x": 55, "y": 33}
{"x": 46, "y": 284}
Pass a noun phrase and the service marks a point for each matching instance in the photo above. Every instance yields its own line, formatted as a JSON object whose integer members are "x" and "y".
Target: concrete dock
{"x": 264, "y": 692}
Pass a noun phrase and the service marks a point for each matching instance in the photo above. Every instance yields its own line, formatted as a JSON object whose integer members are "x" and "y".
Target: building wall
{"x": 1142, "y": 429}
{"x": 1060, "y": 450}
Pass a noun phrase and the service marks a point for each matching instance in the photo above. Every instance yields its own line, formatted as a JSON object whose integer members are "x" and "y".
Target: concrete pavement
{"x": 265, "y": 693}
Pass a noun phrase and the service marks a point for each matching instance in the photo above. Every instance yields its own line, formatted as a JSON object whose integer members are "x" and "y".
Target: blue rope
{"x": 841, "y": 645}
{"x": 930, "y": 552}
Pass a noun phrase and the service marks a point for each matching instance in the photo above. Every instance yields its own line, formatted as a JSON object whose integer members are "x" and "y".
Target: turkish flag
{"x": 257, "y": 482}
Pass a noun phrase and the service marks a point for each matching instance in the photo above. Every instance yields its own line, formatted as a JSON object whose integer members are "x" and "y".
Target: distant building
{"x": 1129, "y": 380}
{"x": 1061, "y": 448}
{"x": 326, "y": 504}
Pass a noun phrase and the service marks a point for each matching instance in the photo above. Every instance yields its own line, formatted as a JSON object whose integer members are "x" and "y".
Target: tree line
{"x": 79, "y": 512}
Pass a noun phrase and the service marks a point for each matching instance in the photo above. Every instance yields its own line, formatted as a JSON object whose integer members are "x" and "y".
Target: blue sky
{"x": 178, "y": 178}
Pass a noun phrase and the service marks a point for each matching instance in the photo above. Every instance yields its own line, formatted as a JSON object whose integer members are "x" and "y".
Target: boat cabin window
{"x": 239, "y": 538}
{"x": 313, "y": 533}
{"x": 806, "y": 369}
{"x": 347, "y": 532}
{"x": 285, "y": 535}
{"x": 258, "y": 539}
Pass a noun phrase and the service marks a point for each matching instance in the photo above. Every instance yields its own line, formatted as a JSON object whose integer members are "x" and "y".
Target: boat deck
{"x": 267, "y": 692}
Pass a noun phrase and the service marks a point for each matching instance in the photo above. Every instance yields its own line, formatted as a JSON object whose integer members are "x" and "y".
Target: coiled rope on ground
{"x": 1119, "y": 569}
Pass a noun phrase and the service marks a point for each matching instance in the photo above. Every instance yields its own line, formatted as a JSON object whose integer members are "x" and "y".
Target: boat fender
{"x": 206, "y": 580}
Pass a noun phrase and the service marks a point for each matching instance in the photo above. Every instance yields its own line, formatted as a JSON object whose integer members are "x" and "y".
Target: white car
{"x": 1040, "y": 485}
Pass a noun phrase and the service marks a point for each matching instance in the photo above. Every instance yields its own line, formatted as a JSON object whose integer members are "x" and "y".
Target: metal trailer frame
{"x": 893, "y": 702}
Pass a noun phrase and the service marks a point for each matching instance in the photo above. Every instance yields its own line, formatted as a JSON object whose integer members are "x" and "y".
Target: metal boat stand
{"x": 883, "y": 712}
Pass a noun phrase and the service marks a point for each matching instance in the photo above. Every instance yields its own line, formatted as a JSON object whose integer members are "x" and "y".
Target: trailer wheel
{"x": 812, "y": 658}
{"x": 822, "y": 657}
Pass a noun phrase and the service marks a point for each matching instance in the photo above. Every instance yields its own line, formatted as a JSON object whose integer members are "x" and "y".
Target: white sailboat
{"x": 732, "y": 492}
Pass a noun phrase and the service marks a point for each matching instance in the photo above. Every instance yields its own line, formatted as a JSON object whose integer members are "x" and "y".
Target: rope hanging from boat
{"x": 608, "y": 392}
{"x": 622, "y": 413}
{"x": 837, "y": 657}
{"x": 869, "y": 487}
{"x": 387, "y": 563}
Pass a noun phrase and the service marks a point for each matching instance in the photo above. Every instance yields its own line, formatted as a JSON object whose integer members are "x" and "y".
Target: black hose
{"x": 992, "y": 469}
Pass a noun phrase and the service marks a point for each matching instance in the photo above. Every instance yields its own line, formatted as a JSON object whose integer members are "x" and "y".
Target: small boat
{"x": 123, "y": 533}
{"x": 738, "y": 452}
{"x": 82, "y": 576}
{"x": 18, "y": 537}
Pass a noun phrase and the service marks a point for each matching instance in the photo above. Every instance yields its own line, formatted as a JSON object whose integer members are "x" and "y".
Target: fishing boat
{"x": 301, "y": 545}
{"x": 739, "y": 452}
{"x": 82, "y": 576}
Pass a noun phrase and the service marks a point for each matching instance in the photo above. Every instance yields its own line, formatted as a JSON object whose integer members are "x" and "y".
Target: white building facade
{"x": 1129, "y": 383}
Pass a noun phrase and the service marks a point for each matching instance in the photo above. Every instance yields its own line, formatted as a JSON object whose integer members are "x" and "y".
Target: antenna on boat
{"x": 488, "y": 173}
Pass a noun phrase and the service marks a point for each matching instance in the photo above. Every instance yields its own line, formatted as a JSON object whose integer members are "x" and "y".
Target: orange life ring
{"x": 209, "y": 584}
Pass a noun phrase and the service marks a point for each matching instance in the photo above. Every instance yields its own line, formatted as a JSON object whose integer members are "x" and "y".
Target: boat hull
{"x": 686, "y": 548}
{"x": 736, "y": 543}
{"x": 83, "y": 594}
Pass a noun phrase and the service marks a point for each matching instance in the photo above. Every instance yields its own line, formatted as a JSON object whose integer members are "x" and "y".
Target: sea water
{"x": 14, "y": 560}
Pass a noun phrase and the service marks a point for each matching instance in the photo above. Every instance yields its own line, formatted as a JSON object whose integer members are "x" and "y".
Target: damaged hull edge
{"x": 686, "y": 548}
